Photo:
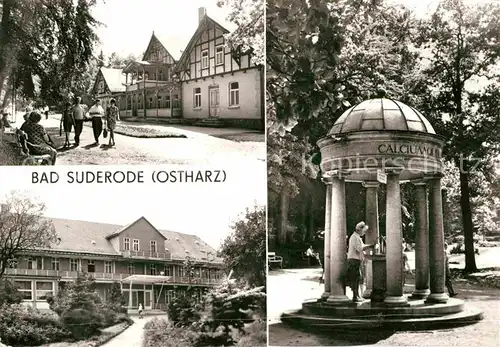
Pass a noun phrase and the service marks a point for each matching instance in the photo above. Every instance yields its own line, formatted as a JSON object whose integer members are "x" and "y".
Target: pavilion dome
{"x": 381, "y": 115}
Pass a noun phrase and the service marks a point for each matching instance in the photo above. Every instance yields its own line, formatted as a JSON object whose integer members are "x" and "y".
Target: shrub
{"x": 159, "y": 332}
{"x": 184, "y": 309}
{"x": 255, "y": 335}
{"x": 9, "y": 293}
{"x": 20, "y": 325}
{"x": 82, "y": 323}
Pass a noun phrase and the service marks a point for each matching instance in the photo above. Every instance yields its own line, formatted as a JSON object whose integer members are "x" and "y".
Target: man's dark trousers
{"x": 97, "y": 127}
{"x": 78, "y": 130}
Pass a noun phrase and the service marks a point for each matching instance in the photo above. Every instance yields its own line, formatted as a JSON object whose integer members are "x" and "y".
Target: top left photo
{"x": 132, "y": 82}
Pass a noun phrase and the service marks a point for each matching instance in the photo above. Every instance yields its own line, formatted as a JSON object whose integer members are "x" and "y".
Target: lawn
{"x": 143, "y": 132}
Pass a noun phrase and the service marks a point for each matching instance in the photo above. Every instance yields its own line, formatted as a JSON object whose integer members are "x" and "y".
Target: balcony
{"x": 143, "y": 84}
{"x": 146, "y": 255}
{"x": 112, "y": 276}
{"x": 64, "y": 274}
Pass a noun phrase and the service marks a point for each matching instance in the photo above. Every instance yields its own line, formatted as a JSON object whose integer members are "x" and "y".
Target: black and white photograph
{"x": 383, "y": 170}
{"x": 103, "y": 82}
{"x": 168, "y": 265}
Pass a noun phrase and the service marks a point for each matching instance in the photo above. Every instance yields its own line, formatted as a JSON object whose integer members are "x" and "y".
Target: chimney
{"x": 202, "y": 12}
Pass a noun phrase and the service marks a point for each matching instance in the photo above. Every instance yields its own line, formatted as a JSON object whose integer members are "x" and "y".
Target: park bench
{"x": 272, "y": 258}
{"x": 29, "y": 159}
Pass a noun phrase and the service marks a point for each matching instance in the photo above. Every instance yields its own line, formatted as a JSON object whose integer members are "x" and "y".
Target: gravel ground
{"x": 302, "y": 284}
{"x": 196, "y": 148}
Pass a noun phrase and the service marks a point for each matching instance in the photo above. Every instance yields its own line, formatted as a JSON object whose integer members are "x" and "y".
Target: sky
{"x": 206, "y": 210}
{"x": 128, "y": 24}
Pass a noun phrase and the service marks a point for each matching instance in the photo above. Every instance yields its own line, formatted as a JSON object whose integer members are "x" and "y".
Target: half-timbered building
{"x": 220, "y": 84}
{"x": 147, "y": 262}
{"x": 109, "y": 83}
{"x": 152, "y": 90}
{"x": 201, "y": 81}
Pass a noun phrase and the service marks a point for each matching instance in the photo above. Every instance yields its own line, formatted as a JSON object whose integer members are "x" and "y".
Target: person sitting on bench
{"x": 39, "y": 142}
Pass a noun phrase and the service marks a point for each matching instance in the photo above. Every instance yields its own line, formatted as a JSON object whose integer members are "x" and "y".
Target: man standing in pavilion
{"x": 355, "y": 258}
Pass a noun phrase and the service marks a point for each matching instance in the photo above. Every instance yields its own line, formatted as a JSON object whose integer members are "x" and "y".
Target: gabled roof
{"x": 174, "y": 45}
{"x": 118, "y": 232}
{"x": 92, "y": 237}
{"x": 204, "y": 23}
{"x": 113, "y": 78}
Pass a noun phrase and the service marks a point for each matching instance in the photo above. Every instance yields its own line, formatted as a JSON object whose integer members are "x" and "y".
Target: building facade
{"x": 109, "y": 83}
{"x": 147, "y": 262}
{"x": 203, "y": 81}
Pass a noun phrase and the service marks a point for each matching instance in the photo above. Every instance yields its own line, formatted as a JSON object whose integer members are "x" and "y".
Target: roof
{"x": 114, "y": 79}
{"x": 381, "y": 114}
{"x": 174, "y": 45}
{"x": 206, "y": 21}
{"x": 92, "y": 237}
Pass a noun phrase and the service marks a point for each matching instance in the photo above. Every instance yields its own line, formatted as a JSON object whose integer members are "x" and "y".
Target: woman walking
{"x": 112, "y": 116}
{"x": 67, "y": 122}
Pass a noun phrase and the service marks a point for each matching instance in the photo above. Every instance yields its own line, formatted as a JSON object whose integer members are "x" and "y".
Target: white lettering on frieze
{"x": 408, "y": 148}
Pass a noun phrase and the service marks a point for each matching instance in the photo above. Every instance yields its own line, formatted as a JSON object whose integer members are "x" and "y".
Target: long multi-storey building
{"x": 147, "y": 262}
{"x": 203, "y": 81}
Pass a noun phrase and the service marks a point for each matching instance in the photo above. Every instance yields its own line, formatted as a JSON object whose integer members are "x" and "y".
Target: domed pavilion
{"x": 384, "y": 141}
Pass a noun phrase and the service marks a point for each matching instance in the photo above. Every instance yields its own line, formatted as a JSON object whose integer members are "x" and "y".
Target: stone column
{"x": 436, "y": 244}
{"x": 421, "y": 243}
{"x": 372, "y": 235}
{"x": 394, "y": 235}
{"x": 338, "y": 228}
{"x": 326, "y": 261}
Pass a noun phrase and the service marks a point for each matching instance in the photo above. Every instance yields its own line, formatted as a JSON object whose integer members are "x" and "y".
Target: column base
{"x": 325, "y": 296}
{"x": 338, "y": 299}
{"x": 437, "y": 298}
{"x": 396, "y": 301}
{"x": 367, "y": 294}
{"x": 419, "y": 294}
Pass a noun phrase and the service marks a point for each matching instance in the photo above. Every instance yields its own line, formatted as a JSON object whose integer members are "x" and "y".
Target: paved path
{"x": 302, "y": 284}
{"x": 197, "y": 148}
{"x": 133, "y": 336}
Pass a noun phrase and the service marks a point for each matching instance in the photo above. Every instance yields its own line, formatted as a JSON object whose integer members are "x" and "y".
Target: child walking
{"x": 112, "y": 116}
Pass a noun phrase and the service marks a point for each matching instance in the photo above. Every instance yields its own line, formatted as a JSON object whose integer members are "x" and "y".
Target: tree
{"x": 115, "y": 297}
{"x": 100, "y": 60}
{"x": 119, "y": 62}
{"x": 463, "y": 43}
{"x": 51, "y": 40}
{"x": 244, "y": 251}
{"x": 23, "y": 228}
{"x": 248, "y": 15}
{"x": 8, "y": 293}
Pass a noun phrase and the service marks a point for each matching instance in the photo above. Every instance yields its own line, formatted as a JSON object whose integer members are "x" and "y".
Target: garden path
{"x": 133, "y": 336}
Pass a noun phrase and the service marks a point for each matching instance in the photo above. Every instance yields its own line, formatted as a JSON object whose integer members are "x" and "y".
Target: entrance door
{"x": 140, "y": 298}
{"x": 214, "y": 102}
{"x": 147, "y": 300}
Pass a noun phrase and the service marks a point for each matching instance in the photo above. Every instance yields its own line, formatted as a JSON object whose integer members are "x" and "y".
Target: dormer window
{"x": 135, "y": 245}
{"x": 126, "y": 244}
{"x": 152, "y": 246}
{"x": 204, "y": 59}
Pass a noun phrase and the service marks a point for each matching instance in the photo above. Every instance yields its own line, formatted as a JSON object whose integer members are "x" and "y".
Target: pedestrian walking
{"x": 140, "y": 310}
{"x": 112, "y": 116}
{"x": 67, "y": 122}
{"x": 96, "y": 113}
{"x": 79, "y": 117}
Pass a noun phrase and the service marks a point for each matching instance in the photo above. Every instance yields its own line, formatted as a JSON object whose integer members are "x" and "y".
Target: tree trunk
{"x": 470, "y": 260}
{"x": 283, "y": 225}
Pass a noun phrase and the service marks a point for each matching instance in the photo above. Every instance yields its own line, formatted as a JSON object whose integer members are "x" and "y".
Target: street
{"x": 196, "y": 148}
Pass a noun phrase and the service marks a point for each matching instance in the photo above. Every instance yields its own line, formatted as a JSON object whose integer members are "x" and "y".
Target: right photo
{"x": 383, "y": 169}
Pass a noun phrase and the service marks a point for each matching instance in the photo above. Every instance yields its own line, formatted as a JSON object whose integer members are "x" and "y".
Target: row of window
{"x": 136, "y": 246}
{"x": 233, "y": 97}
{"x": 219, "y": 57}
{"x": 151, "y": 102}
{"x": 43, "y": 289}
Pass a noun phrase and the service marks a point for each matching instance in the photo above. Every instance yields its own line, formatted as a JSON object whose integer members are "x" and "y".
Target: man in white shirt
{"x": 78, "y": 116}
{"x": 355, "y": 258}
{"x": 96, "y": 112}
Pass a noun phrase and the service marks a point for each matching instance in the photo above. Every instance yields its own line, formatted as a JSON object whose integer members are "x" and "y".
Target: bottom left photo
{"x": 89, "y": 265}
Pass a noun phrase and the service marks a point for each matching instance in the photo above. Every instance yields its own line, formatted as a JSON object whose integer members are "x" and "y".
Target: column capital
{"x": 420, "y": 183}
{"x": 329, "y": 176}
{"x": 393, "y": 170}
{"x": 371, "y": 184}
